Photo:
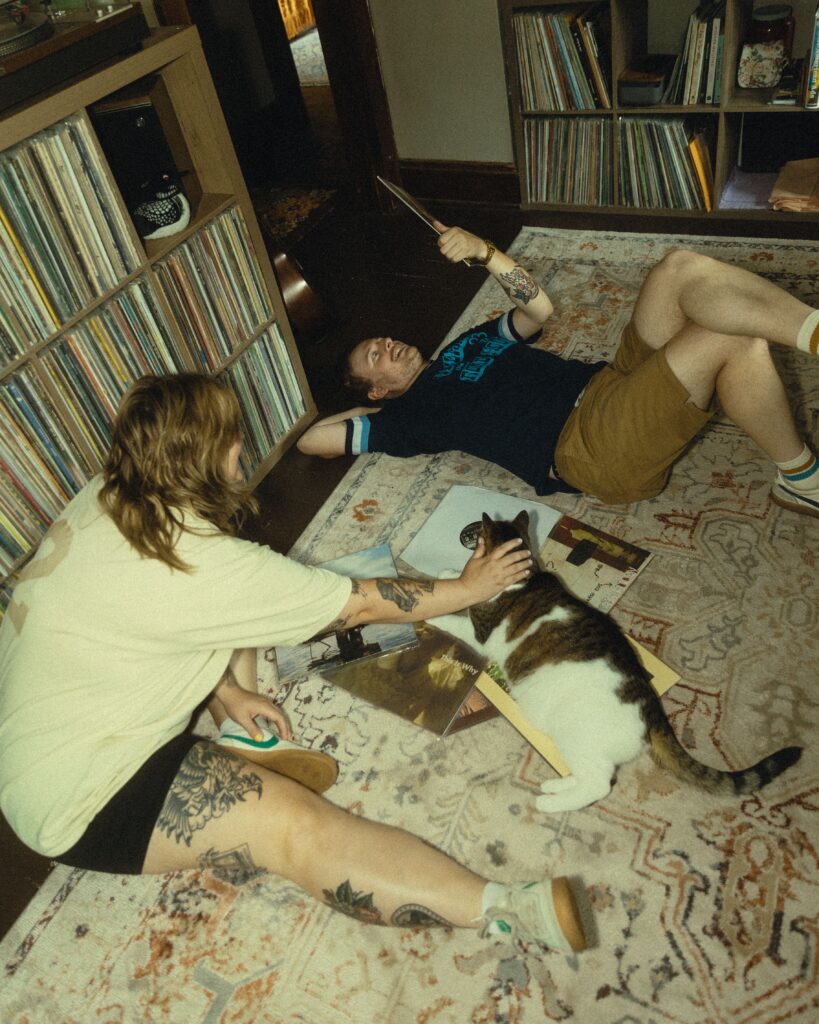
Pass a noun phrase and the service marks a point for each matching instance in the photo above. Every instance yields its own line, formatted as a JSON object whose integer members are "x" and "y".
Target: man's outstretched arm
{"x": 327, "y": 437}
{"x": 533, "y": 304}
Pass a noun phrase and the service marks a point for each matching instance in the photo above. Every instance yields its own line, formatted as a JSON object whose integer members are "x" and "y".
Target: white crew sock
{"x": 801, "y": 473}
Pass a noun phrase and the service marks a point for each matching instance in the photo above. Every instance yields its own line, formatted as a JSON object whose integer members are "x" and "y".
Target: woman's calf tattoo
{"x": 209, "y": 782}
{"x": 360, "y": 905}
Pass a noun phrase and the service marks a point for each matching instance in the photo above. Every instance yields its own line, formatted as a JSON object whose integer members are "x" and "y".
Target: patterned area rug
{"x": 309, "y": 58}
{"x": 705, "y": 909}
{"x": 288, "y": 212}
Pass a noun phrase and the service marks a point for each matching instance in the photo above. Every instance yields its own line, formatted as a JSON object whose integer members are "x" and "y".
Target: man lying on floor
{"x": 699, "y": 334}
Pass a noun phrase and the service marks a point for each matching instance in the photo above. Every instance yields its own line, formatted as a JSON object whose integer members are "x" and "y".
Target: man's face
{"x": 389, "y": 366}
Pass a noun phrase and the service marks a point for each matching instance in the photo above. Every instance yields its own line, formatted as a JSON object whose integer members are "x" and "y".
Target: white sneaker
{"x": 312, "y": 768}
{"x": 544, "y": 912}
{"x": 806, "y": 502}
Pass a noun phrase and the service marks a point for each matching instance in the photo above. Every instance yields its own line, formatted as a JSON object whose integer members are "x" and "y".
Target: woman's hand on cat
{"x": 485, "y": 576}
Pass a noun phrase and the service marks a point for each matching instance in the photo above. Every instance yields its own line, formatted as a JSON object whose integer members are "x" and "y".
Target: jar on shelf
{"x": 767, "y": 48}
{"x": 773, "y": 23}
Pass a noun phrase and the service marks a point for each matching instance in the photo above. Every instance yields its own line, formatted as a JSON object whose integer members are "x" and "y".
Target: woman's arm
{"x": 326, "y": 437}
{"x": 533, "y": 304}
{"x": 408, "y": 600}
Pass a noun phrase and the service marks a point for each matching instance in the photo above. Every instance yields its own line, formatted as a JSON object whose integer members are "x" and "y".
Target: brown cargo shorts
{"x": 631, "y": 424}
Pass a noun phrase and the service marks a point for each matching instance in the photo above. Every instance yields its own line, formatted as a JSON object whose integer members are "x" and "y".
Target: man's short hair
{"x": 358, "y": 386}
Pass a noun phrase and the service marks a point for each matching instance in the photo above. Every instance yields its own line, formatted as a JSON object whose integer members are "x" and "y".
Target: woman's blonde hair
{"x": 168, "y": 457}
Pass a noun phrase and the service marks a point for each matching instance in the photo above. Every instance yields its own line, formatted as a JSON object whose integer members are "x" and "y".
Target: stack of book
{"x": 563, "y": 58}
{"x": 568, "y": 160}
{"x": 698, "y": 69}
{"x": 662, "y": 165}
{"x": 214, "y": 287}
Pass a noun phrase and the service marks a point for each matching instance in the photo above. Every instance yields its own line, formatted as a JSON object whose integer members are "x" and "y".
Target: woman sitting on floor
{"x": 141, "y": 604}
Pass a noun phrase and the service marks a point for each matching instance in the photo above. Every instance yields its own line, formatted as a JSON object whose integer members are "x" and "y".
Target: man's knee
{"x": 679, "y": 265}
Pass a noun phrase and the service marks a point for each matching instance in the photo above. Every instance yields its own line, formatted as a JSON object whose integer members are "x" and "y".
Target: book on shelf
{"x": 696, "y": 71}
{"x": 701, "y": 159}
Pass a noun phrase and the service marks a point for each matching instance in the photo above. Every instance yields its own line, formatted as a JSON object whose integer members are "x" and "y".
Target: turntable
{"x": 39, "y": 50}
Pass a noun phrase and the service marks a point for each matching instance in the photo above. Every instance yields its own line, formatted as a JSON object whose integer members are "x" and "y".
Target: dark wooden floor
{"x": 379, "y": 275}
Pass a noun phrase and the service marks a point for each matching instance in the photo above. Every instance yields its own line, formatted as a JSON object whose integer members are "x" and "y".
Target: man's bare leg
{"x": 714, "y": 322}
{"x": 686, "y": 287}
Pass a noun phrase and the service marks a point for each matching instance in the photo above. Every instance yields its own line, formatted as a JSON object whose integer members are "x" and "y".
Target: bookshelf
{"x": 576, "y": 152}
{"x": 86, "y": 306}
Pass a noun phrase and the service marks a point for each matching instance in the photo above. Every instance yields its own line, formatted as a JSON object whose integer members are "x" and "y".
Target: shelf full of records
{"x": 84, "y": 312}
{"x": 568, "y": 160}
{"x": 214, "y": 287}
{"x": 63, "y": 241}
{"x": 269, "y": 394}
{"x": 663, "y": 165}
{"x": 563, "y": 58}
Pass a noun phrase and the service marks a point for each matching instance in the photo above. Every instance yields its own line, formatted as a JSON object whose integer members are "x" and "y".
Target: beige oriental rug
{"x": 705, "y": 909}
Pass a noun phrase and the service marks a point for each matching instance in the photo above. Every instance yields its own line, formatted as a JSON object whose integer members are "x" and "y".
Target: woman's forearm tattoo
{"x": 404, "y": 593}
{"x": 519, "y": 285}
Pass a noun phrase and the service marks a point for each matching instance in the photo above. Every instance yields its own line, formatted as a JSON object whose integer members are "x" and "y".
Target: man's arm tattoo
{"x": 404, "y": 593}
{"x": 519, "y": 285}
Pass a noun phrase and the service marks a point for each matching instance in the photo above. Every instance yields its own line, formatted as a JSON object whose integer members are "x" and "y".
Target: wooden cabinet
{"x": 593, "y": 157}
{"x": 87, "y": 306}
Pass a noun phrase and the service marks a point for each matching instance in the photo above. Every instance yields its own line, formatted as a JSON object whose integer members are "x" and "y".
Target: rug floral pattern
{"x": 704, "y": 909}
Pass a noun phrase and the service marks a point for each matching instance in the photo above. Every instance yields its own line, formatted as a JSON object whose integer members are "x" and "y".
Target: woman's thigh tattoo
{"x": 209, "y": 782}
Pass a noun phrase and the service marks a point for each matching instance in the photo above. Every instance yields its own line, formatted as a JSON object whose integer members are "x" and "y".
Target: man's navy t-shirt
{"x": 486, "y": 394}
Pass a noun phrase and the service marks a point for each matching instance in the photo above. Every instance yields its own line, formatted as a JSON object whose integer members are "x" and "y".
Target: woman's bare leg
{"x": 222, "y": 812}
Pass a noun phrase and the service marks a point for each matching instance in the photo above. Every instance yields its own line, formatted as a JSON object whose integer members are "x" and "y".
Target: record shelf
{"x": 87, "y": 306}
{"x": 577, "y": 148}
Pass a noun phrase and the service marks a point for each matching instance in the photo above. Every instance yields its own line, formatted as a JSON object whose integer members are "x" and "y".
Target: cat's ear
{"x": 521, "y": 521}
{"x": 486, "y": 520}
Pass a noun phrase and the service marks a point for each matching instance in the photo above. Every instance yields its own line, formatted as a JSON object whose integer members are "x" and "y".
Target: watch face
{"x": 470, "y": 535}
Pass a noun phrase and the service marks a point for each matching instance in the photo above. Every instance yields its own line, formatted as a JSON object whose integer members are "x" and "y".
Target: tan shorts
{"x": 632, "y": 422}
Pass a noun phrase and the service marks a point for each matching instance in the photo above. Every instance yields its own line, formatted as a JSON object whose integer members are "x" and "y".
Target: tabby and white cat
{"x": 577, "y": 678}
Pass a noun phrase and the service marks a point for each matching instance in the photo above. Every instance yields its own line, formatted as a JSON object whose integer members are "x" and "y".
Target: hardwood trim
{"x": 351, "y": 57}
{"x": 495, "y": 184}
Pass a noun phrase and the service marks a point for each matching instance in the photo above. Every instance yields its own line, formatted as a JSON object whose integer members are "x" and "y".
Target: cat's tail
{"x": 667, "y": 751}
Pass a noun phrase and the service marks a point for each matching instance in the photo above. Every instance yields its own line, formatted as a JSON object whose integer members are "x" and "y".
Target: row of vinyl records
{"x": 662, "y": 163}
{"x": 63, "y": 240}
{"x": 563, "y": 58}
{"x": 41, "y": 464}
{"x": 212, "y": 284}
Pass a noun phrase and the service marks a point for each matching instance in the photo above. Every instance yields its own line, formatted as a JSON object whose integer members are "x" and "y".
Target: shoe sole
{"x": 311, "y": 768}
{"x": 793, "y": 506}
{"x": 568, "y": 914}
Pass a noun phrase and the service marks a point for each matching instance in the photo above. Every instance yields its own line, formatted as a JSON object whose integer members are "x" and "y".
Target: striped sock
{"x": 808, "y": 337}
{"x": 801, "y": 473}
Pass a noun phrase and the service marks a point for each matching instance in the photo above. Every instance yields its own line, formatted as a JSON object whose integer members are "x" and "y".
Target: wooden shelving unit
{"x": 722, "y": 123}
{"x": 260, "y": 357}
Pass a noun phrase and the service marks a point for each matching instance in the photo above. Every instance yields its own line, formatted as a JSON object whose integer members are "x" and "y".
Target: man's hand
{"x": 456, "y": 244}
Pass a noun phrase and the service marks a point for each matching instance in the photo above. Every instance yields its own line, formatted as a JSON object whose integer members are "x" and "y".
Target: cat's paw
{"x": 558, "y": 785}
{"x": 555, "y": 803}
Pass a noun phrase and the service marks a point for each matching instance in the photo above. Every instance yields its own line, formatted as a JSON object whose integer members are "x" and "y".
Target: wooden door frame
{"x": 350, "y": 53}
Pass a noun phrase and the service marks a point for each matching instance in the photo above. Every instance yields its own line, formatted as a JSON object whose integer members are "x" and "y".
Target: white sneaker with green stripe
{"x": 312, "y": 768}
{"x": 544, "y": 912}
